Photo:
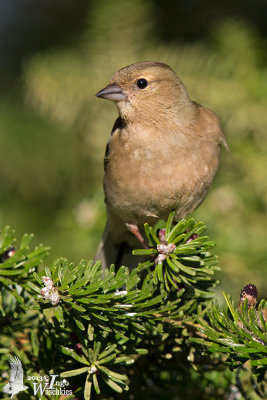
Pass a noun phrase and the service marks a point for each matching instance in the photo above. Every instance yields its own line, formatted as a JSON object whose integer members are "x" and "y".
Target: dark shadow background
{"x": 27, "y": 26}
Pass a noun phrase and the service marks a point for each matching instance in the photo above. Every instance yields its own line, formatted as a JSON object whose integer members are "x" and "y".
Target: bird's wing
{"x": 16, "y": 371}
{"x": 209, "y": 122}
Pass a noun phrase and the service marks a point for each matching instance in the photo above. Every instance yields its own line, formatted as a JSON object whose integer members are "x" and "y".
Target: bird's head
{"x": 146, "y": 90}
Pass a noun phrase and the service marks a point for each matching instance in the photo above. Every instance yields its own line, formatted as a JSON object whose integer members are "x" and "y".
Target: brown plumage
{"x": 162, "y": 155}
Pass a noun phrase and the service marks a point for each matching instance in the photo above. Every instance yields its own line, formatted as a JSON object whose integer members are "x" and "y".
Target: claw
{"x": 133, "y": 228}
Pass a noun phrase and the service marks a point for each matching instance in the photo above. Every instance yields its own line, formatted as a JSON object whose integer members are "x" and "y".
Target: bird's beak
{"x": 112, "y": 92}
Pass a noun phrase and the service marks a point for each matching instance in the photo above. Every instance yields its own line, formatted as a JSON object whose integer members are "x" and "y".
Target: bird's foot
{"x": 164, "y": 249}
{"x": 133, "y": 228}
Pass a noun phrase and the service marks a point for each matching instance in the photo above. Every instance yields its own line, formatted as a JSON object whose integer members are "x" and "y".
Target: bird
{"x": 162, "y": 155}
{"x": 15, "y": 384}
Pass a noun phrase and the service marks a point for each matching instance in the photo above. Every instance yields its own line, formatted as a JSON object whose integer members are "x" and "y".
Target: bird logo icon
{"x": 15, "y": 384}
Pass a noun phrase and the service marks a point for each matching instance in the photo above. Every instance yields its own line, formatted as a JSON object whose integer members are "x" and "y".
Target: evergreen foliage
{"x": 241, "y": 334}
{"x": 151, "y": 332}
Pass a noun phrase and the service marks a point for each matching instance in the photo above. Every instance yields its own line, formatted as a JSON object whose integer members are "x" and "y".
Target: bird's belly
{"x": 146, "y": 190}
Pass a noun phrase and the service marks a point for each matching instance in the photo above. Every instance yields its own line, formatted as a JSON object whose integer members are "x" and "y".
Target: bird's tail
{"x": 107, "y": 250}
{"x": 119, "y": 254}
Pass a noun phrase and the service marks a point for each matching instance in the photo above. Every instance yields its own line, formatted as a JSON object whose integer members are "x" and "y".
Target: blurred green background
{"x": 56, "y": 55}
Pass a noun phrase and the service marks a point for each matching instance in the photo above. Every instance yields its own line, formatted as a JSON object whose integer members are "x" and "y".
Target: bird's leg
{"x": 133, "y": 228}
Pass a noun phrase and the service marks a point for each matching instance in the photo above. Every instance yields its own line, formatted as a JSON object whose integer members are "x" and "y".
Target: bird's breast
{"x": 145, "y": 180}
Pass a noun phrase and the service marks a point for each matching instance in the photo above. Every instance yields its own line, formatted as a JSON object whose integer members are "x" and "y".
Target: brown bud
{"x": 161, "y": 236}
{"x": 78, "y": 348}
{"x": 192, "y": 237}
{"x": 7, "y": 254}
{"x": 249, "y": 293}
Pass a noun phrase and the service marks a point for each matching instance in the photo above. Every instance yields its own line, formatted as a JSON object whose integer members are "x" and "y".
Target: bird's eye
{"x": 142, "y": 83}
